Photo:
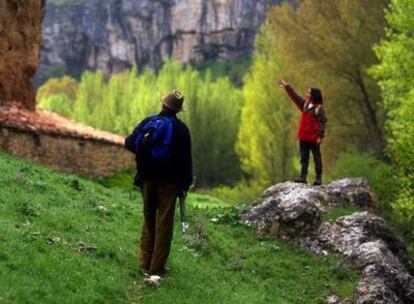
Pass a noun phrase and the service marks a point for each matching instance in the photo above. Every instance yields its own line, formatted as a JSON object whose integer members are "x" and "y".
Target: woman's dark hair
{"x": 316, "y": 95}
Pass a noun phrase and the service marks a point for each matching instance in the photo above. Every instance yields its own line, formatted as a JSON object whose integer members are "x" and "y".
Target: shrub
{"x": 379, "y": 174}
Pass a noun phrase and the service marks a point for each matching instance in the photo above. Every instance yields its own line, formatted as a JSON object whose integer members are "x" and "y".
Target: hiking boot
{"x": 153, "y": 281}
{"x": 301, "y": 180}
{"x": 317, "y": 182}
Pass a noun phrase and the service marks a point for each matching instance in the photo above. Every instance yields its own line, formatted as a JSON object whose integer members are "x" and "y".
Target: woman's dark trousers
{"x": 305, "y": 148}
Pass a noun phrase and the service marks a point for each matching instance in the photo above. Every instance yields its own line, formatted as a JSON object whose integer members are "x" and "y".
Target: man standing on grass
{"x": 162, "y": 146}
{"x": 311, "y": 129}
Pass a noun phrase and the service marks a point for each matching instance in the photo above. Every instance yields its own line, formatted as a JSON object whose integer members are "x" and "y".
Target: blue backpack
{"x": 154, "y": 140}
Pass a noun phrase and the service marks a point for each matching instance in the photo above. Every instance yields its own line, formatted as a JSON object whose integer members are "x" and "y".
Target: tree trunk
{"x": 20, "y": 45}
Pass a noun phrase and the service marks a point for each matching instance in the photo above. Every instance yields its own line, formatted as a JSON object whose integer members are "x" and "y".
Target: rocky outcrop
{"x": 294, "y": 211}
{"x": 291, "y": 209}
{"x": 20, "y": 37}
{"x": 370, "y": 245}
{"x": 115, "y": 34}
{"x": 288, "y": 210}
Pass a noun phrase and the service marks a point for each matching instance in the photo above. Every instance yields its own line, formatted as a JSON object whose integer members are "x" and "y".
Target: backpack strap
{"x": 140, "y": 134}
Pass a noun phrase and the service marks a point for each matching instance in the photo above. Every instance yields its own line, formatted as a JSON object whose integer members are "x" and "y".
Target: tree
{"x": 59, "y": 103}
{"x": 396, "y": 78}
{"x": 328, "y": 44}
{"x": 266, "y": 137}
{"x": 65, "y": 85}
{"x": 91, "y": 93}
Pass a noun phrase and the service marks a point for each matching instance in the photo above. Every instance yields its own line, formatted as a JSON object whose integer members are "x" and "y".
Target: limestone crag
{"x": 370, "y": 245}
{"x": 294, "y": 211}
{"x": 115, "y": 34}
{"x": 20, "y": 37}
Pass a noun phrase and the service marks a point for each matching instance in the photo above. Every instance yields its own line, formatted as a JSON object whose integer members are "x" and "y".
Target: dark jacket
{"x": 180, "y": 169}
{"x": 313, "y": 120}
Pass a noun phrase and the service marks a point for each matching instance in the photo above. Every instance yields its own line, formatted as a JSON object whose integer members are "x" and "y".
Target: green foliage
{"x": 60, "y": 102}
{"x": 333, "y": 52}
{"x": 120, "y": 179}
{"x": 265, "y": 139}
{"x": 65, "y": 239}
{"x": 396, "y": 77}
{"x": 204, "y": 201}
{"x": 56, "y": 86}
{"x": 337, "y": 212}
{"x": 235, "y": 70}
{"x": 241, "y": 193}
{"x": 228, "y": 215}
{"x": 118, "y": 104}
{"x": 352, "y": 163}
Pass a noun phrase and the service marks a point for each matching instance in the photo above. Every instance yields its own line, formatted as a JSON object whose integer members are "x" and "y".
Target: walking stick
{"x": 183, "y": 210}
{"x": 183, "y": 215}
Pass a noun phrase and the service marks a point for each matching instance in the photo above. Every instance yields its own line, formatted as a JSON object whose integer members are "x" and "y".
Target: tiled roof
{"x": 41, "y": 121}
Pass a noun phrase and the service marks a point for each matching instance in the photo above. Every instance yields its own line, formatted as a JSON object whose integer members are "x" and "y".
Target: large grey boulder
{"x": 355, "y": 191}
{"x": 349, "y": 232}
{"x": 370, "y": 245}
{"x": 294, "y": 211}
{"x": 290, "y": 209}
{"x": 385, "y": 279}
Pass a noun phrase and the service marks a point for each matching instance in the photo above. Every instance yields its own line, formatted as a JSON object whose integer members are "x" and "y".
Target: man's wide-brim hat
{"x": 173, "y": 101}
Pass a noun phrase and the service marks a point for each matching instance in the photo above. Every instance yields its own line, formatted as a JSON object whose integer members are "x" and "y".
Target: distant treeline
{"x": 212, "y": 110}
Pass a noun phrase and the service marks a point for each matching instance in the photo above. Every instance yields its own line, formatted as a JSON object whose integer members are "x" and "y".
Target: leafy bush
{"x": 227, "y": 215}
{"x": 395, "y": 74}
{"x": 60, "y": 102}
{"x": 358, "y": 164}
{"x": 241, "y": 193}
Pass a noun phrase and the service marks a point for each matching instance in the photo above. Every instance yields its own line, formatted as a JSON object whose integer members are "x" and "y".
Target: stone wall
{"x": 70, "y": 154}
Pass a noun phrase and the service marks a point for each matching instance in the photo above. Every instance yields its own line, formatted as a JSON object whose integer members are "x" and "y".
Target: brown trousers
{"x": 158, "y": 225}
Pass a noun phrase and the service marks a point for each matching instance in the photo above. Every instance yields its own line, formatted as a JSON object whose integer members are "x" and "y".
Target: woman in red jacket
{"x": 311, "y": 129}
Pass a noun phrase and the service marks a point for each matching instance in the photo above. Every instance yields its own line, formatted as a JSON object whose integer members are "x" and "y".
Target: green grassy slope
{"x": 65, "y": 239}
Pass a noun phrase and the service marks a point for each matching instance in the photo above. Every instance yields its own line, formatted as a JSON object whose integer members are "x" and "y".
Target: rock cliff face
{"x": 115, "y": 34}
{"x": 20, "y": 36}
{"x": 294, "y": 211}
